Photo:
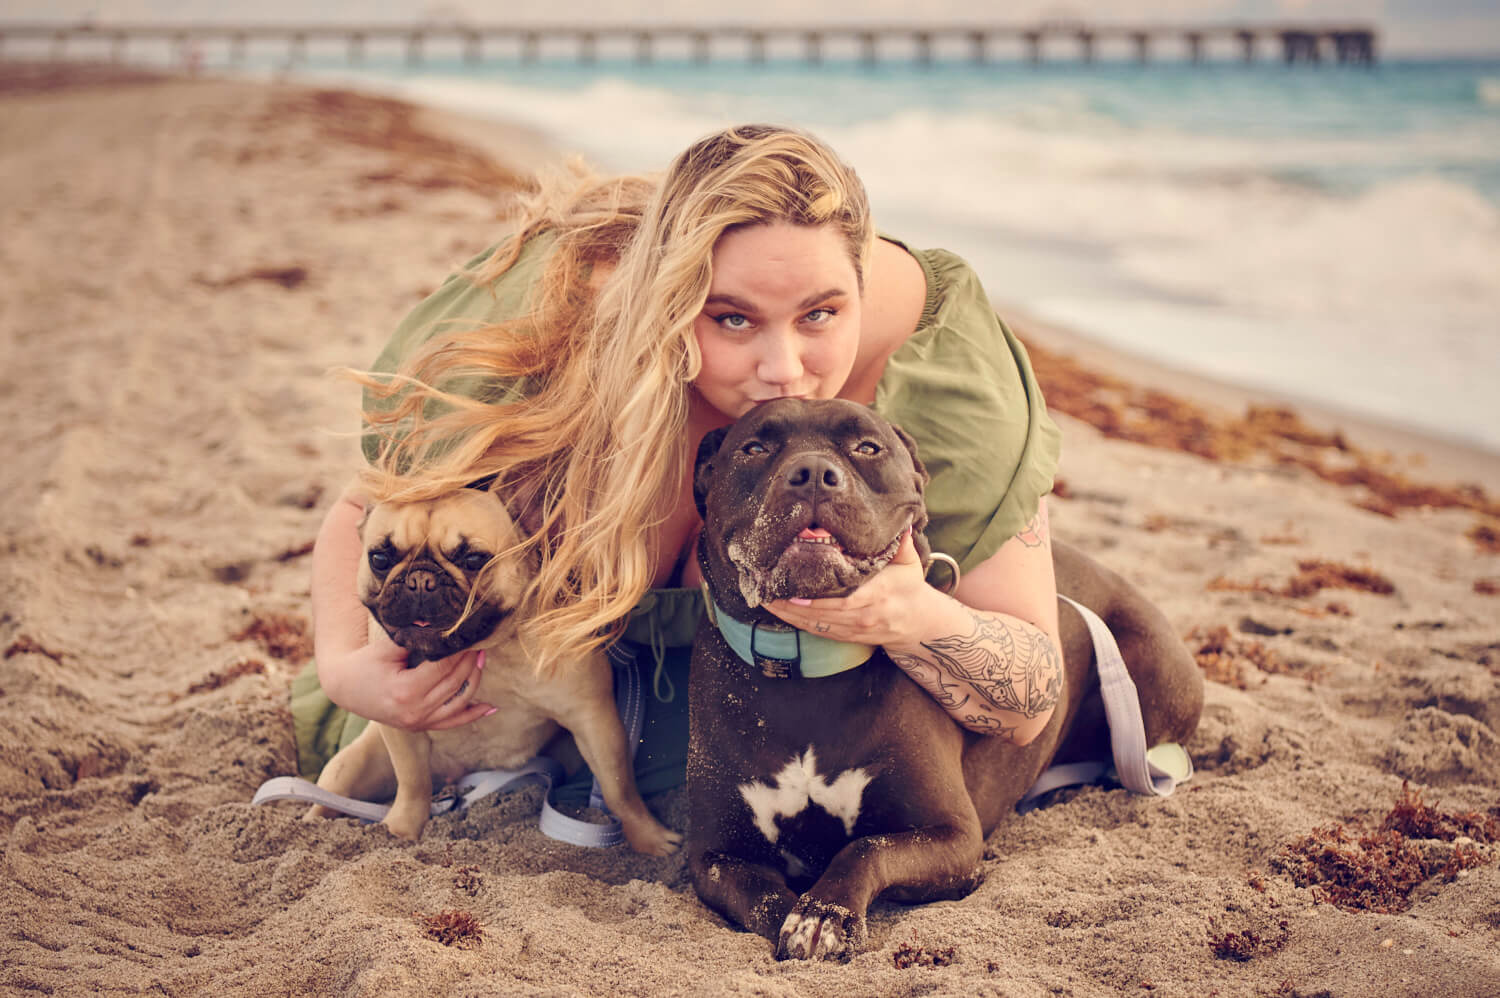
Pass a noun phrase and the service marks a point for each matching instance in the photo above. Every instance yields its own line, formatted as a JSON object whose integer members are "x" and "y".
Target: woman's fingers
{"x": 451, "y": 684}
{"x": 471, "y": 712}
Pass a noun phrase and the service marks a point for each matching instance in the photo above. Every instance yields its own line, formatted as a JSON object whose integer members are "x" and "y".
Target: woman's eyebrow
{"x": 823, "y": 296}
{"x": 745, "y": 306}
{"x": 731, "y": 301}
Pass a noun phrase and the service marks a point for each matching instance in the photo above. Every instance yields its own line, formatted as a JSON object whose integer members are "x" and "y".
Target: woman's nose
{"x": 780, "y": 361}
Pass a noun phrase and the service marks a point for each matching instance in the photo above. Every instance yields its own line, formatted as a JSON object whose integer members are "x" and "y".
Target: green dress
{"x": 961, "y": 385}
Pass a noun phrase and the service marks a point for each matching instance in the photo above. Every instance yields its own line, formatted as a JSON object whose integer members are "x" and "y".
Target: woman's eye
{"x": 869, "y": 448}
{"x": 819, "y": 315}
{"x": 754, "y": 448}
{"x": 380, "y": 561}
{"x": 474, "y": 561}
{"x": 733, "y": 320}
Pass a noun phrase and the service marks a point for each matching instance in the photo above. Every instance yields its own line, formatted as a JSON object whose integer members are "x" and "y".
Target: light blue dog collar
{"x": 785, "y": 652}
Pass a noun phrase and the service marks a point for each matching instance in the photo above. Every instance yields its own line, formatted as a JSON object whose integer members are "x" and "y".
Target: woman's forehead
{"x": 781, "y": 257}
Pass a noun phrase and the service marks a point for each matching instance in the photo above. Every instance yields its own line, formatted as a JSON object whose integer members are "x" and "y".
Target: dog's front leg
{"x": 939, "y": 862}
{"x": 748, "y": 894}
{"x": 361, "y": 769}
{"x": 411, "y": 758}
{"x": 600, "y": 736}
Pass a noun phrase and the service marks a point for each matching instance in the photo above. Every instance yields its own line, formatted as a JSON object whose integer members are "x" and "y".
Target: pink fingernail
{"x": 799, "y": 601}
{"x": 489, "y": 712}
{"x": 481, "y": 659}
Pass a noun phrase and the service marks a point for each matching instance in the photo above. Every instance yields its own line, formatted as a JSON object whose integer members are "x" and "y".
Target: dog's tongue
{"x": 813, "y": 534}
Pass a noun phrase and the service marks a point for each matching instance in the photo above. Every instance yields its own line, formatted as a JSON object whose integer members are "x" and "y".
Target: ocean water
{"x": 1327, "y": 233}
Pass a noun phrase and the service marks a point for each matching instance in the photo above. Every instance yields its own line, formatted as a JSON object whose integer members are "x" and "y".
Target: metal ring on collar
{"x": 952, "y": 564}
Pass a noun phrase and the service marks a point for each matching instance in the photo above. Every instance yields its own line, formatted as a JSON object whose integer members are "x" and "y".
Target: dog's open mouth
{"x": 423, "y": 640}
{"x": 814, "y": 564}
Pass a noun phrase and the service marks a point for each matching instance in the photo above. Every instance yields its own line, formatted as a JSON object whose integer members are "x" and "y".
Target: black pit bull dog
{"x": 810, "y": 797}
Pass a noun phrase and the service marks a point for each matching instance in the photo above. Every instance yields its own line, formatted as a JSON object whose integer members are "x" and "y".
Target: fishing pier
{"x": 193, "y": 43}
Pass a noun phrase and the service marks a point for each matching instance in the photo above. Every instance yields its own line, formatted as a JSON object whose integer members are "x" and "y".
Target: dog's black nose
{"x": 812, "y": 472}
{"x": 420, "y": 581}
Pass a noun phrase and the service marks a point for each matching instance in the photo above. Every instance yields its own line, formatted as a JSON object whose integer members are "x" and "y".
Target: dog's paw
{"x": 319, "y": 813}
{"x": 405, "y": 825}
{"x": 653, "y": 839}
{"x": 818, "y": 930}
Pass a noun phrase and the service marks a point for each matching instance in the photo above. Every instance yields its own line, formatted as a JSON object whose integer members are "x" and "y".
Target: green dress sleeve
{"x": 963, "y": 387}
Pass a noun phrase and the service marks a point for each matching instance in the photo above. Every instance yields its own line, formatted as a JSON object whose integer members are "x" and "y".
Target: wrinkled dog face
{"x": 422, "y": 560}
{"x": 806, "y": 498}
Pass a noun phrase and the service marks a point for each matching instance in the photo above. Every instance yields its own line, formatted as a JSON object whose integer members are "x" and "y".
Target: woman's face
{"x": 781, "y": 319}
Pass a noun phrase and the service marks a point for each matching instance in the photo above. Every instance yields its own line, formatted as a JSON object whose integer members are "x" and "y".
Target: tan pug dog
{"x": 444, "y": 575}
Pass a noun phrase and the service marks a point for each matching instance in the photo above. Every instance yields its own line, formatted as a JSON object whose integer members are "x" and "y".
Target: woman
{"x": 584, "y": 359}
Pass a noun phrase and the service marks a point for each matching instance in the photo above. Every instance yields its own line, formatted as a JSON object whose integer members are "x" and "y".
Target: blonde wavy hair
{"x": 591, "y": 433}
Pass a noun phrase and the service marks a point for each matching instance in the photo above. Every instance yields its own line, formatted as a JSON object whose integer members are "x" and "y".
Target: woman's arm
{"x": 368, "y": 675}
{"x": 989, "y": 653}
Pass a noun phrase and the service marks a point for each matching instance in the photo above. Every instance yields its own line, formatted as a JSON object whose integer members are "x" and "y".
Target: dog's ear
{"x": 708, "y": 449}
{"x": 920, "y": 542}
{"x": 523, "y": 503}
{"x": 919, "y": 525}
{"x": 525, "y": 508}
{"x": 911, "y": 448}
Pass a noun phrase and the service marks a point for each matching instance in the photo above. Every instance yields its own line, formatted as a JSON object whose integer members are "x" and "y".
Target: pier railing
{"x": 1295, "y": 43}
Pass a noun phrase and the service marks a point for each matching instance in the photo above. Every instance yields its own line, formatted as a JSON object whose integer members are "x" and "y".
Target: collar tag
{"x": 779, "y": 668}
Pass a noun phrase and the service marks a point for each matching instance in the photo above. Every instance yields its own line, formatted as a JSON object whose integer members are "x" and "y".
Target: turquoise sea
{"x": 1330, "y": 233}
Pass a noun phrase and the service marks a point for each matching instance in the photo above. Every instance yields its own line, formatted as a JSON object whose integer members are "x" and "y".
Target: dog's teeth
{"x": 810, "y": 535}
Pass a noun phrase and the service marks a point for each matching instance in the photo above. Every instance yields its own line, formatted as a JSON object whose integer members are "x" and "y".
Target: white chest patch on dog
{"x": 798, "y": 785}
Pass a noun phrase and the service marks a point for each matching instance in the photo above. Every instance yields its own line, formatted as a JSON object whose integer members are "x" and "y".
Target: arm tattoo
{"x": 930, "y": 678}
{"x": 991, "y": 725}
{"x": 1013, "y": 668}
{"x": 1034, "y": 534}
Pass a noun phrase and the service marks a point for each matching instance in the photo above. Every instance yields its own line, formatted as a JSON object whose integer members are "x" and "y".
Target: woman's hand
{"x": 373, "y": 681}
{"x": 894, "y": 607}
{"x": 989, "y": 654}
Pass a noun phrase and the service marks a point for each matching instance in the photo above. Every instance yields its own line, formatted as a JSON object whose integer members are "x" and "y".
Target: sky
{"x": 1415, "y": 27}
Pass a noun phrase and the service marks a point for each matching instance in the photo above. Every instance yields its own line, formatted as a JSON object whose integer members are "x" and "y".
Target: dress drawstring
{"x": 659, "y": 653}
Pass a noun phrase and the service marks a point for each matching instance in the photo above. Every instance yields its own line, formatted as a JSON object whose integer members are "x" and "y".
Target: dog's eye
{"x": 475, "y": 560}
{"x": 754, "y": 448}
{"x": 381, "y": 561}
{"x": 869, "y": 448}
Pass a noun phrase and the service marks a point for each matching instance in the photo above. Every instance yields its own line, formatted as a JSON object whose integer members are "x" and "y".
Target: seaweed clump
{"x": 452, "y": 928}
{"x": 1313, "y": 576}
{"x": 1242, "y": 947}
{"x": 1378, "y": 871}
{"x": 1125, "y": 411}
{"x": 1227, "y": 658}
{"x": 281, "y": 635}
{"x": 907, "y": 956}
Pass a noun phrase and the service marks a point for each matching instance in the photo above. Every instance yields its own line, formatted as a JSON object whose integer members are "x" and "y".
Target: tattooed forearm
{"x": 930, "y": 678}
{"x": 1011, "y": 667}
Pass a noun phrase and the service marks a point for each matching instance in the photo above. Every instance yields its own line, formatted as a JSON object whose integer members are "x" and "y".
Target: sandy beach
{"x": 185, "y": 261}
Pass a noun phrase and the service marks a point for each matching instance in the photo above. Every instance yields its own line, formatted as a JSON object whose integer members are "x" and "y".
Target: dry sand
{"x": 183, "y": 261}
